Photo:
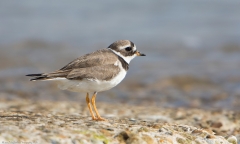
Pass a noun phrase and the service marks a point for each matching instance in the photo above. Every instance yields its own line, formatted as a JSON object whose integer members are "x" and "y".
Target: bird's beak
{"x": 139, "y": 54}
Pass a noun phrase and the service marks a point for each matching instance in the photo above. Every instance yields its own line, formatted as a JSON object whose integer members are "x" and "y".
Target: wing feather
{"x": 97, "y": 58}
{"x": 104, "y": 72}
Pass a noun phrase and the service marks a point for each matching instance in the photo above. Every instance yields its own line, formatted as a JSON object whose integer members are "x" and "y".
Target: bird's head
{"x": 125, "y": 49}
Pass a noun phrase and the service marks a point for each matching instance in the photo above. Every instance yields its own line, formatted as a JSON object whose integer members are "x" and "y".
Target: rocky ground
{"x": 36, "y": 122}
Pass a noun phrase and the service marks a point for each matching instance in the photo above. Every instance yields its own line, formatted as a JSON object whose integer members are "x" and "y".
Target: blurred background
{"x": 192, "y": 48}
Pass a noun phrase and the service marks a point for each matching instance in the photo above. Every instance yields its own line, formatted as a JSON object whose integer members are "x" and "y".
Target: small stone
{"x": 132, "y": 119}
{"x": 49, "y": 115}
{"x": 232, "y": 139}
{"x": 109, "y": 129}
{"x": 143, "y": 129}
{"x": 181, "y": 140}
{"x": 216, "y": 125}
{"x": 148, "y": 139}
{"x": 123, "y": 136}
{"x": 210, "y": 136}
{"x": 134, "y": 139}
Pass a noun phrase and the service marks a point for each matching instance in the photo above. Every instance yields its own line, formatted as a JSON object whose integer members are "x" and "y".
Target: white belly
{"x": 90, "y": 85}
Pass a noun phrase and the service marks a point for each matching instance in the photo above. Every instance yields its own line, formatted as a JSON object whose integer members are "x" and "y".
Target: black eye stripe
{"x": 128, "y": 48}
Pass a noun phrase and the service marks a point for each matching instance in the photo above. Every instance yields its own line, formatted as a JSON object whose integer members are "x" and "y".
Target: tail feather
{"x": 39, "y": 78}
{"x": 35, "y": 74}
{"x": 49, "y": 76}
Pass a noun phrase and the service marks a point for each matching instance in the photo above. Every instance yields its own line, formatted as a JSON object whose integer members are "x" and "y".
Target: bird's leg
{"x": 89, "y": 107}
{"x": 99, "y": 118}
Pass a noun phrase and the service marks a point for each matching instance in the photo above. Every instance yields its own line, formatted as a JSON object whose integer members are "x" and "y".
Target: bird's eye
{"x": 128, "y": 48}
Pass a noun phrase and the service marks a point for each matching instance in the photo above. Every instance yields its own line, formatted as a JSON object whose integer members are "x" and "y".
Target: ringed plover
{"x": 94, "y": 72}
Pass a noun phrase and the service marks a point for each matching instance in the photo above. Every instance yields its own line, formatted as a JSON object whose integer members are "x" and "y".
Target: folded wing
{"x": 99, "y": 64}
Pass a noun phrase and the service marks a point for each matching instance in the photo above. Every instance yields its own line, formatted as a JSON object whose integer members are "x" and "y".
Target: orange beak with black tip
{"x": 139, "y": 54}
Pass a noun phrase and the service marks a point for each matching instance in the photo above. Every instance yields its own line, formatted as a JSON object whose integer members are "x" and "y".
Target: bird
{"x": 94, "y": 72}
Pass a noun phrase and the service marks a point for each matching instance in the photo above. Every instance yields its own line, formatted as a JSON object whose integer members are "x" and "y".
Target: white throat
{"x": 127, "y": 59}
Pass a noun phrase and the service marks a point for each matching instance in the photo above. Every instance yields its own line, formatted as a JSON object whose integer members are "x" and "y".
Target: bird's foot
{"x": 99, "y": 119}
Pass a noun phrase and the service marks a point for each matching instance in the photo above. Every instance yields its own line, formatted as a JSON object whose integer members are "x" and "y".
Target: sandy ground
{"x": 23, "y": 121}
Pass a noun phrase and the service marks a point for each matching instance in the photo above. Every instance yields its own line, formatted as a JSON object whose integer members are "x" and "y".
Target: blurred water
{"x": 195, "y": 38}
{"x": 194, "y": 23}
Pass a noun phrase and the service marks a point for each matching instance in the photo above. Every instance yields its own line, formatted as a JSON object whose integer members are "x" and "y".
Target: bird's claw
{"x": 99, "y": 119}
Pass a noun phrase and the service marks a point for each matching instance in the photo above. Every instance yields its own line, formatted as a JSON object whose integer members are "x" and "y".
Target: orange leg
{"x": 99, "y": 118}
{"x": 89, "y": 107}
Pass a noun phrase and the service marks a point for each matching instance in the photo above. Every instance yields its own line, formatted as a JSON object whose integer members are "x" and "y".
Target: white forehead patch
{"x": 123, "y": 47}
